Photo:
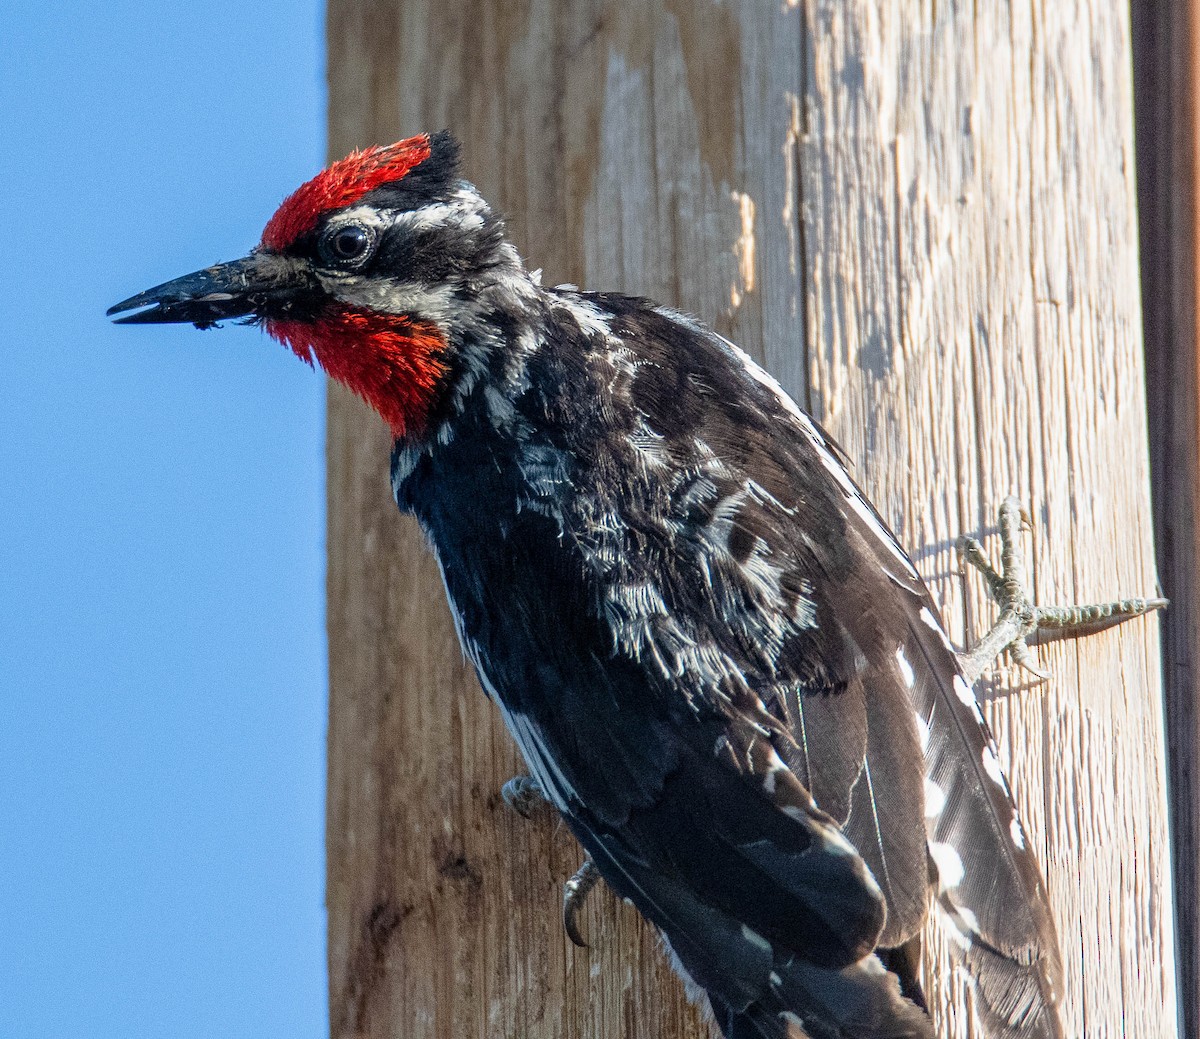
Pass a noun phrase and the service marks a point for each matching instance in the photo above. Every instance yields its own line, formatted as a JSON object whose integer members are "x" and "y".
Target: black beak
{"x": 228, "y": 290}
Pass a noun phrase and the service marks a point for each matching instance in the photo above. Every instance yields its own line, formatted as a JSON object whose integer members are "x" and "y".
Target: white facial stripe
{"x": 362, "y": 216}
{"x": 433, "y": 302}
{"x": 464, "y": 210}
{"x": 456, "y": 213}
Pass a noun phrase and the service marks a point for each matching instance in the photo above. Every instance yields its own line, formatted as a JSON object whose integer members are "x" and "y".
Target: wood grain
{"x": 922, "y": 219}
{"x": 1166, "y": 50}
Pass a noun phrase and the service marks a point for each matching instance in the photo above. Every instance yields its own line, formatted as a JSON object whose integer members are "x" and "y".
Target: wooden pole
{"x": 922, "y": 219}
{"x": 1166, "y": 50}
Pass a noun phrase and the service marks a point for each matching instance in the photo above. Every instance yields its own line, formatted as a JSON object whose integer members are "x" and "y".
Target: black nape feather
{"x": 433, "y": 180}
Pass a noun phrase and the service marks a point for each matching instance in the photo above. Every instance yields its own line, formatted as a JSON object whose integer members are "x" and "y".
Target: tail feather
{"x": 1015, "y": 999}
{"x": 862, "y": 1001}
{"x": 990, "y": 892}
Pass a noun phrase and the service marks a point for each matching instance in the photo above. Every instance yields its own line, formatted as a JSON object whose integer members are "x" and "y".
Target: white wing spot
{"x": 1016, "y": 833}
{"x": 991, "y": 766}
{"x": 932, "y": 622}
{"x": 953, "y": 930}
{"x": 949, "y": 865}
{"x": 754, "y": 938}
{"x": 935, "y": 799}
{"x": 963, "y": 691}
{"x": 775, "y": 765}
{"x": 968, "y": 918}
{"x": 922, "y": 730}
{"x": 905, "y": 667}
{"x": 775, "y": 979}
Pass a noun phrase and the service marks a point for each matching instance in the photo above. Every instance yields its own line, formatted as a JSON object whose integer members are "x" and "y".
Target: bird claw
{"x": 1019, "y": 619}
{"x": 522, "y": 794}
{"x": 575, "y": 894}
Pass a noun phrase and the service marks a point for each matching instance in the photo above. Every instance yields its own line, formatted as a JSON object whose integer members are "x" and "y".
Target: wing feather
{"x": 730, "y": 679}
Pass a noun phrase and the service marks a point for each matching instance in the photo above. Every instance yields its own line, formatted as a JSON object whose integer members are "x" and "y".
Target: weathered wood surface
{"x": 1166, "y": 51}
{"x": 921, "y": 217}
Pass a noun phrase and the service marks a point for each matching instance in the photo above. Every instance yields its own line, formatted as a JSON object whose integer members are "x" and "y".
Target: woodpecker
{"x": 719, "y": 664}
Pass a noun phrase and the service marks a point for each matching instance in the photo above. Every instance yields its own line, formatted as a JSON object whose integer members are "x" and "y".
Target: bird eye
{"x": 347, "y": 243}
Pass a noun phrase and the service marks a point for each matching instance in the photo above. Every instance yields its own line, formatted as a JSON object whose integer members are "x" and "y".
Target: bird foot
{"x": 522, "y": 794}
{"x": 1020, "y": 619}
{"x": 575, "y": 894}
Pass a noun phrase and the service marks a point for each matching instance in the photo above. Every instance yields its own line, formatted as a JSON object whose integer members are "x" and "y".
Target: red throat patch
{"x": 392, "y": 361}
{"x": 341, "y": 184}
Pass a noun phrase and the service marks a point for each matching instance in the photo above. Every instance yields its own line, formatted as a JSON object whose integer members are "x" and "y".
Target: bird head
{"x": 361, "y": 270}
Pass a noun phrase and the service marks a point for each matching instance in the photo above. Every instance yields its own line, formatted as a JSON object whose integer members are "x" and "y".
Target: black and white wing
{"x": 809, "y": 598}
{"x": 732, "y": 682}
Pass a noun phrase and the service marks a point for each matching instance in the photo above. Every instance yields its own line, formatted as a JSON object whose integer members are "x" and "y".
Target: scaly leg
{"x": 522, "y": 794}
{"x": 1019, "y": 618}
{"x": 575, "y": 893}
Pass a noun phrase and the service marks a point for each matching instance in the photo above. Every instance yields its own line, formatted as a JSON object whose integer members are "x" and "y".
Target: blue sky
{"x": 162, "y": 653}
